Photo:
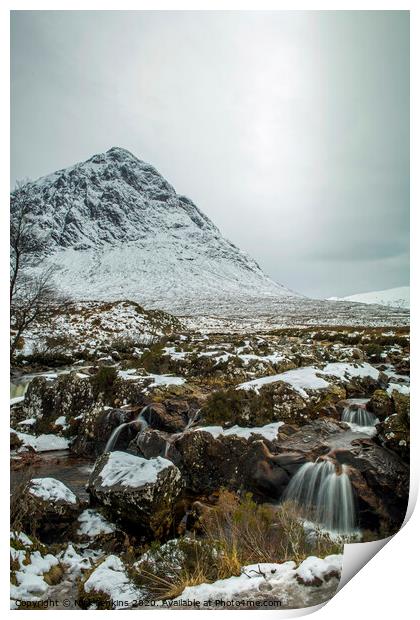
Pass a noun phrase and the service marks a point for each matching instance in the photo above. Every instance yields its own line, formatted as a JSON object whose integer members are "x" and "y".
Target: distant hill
{"x": 392, "y": 297}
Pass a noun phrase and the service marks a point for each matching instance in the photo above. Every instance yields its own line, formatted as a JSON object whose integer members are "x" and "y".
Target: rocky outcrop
{"x": 48, "y": 507}
{"x": 380, "y": 404}
{"x": 208, "y": 463}
{"x": 46, "y": 400}
{"x": 170, "y": 416}
{"x": 139, "y": 493}
{"x": 394, "y": 431}
{"x": 97, "y": 426}
{"x": 149, "y": 444}
{"x": 381, "y": 482}
{"x": 276, "y": 401}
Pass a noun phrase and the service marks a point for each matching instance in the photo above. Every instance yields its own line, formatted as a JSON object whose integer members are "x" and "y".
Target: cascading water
{"x": 359, "y": 416}
{"x": 325, "y": 494}
{"x": 110, "y": 445}
{"x": 112, "y": 441}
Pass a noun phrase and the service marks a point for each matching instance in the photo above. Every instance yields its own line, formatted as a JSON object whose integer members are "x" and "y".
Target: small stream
{"x": 70, "y": 469}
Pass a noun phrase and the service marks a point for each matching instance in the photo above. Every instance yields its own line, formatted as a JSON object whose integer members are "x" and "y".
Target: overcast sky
{"x": 290, "y": 130}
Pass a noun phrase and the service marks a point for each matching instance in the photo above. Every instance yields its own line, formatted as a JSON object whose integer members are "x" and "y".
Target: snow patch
{"x": 51, "y": 490}
{"x": 131, "y": 471}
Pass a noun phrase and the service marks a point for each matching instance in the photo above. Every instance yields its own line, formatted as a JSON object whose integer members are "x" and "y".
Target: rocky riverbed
{"x": 141, "y": 468}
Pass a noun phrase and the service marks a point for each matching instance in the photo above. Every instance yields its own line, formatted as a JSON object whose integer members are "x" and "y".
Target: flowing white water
{"x": 359, "y": 416}
{"x": 112, "y": 441}
{"x": 325, "y": 494}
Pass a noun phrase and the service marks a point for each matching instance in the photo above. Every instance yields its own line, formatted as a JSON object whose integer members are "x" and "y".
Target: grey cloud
{"x": 289, "y": 129}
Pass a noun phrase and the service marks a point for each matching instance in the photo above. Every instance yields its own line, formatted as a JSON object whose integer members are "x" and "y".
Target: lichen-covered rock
{"x": 150, "y": 443}
{"x": 97, "y": 426}
{"x": 48, "y": 507}
{"x": 169, "y": 561}
{"x": 380, "y": 404}
{"x": 277, "y": 401}
{"x": 209, "y": 463}
{"x": 381, "y": 482}
{"x": 170, "y": 416}
{"x": 394, "y": 431}
{"x": 137, "y": 492}
{"x": 46, "y": 400}
{"x": 401, "y": 404}
{"x": 15, "y": 442}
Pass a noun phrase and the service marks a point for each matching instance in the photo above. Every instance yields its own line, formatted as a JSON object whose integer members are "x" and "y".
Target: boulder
{"x": 360, "y": 387}
{"x": 312, "y": 440}
{"x": 209, "y": 463}
{"x": 394, "y": 434}
{"x": 394, "y": 431}
{"x": 45, "y": 400}
{"x": 136, "y": 492}
{"x": 149, "y": 444}
{"x": 380, "y": 404}
{"x": 381, "y": 481}
{"x": 97, "y": 426}
{"x": 170, "y": 416}
{"x": 49, "y": 507}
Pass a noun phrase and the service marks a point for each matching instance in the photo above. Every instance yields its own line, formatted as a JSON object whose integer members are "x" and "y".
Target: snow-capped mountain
{"x": 118, "y": 230}
{"x": 398, "y": 297}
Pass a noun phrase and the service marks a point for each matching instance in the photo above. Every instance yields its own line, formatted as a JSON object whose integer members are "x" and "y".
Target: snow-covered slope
{"x": 118, "y": 230}
{"x": 393, "y": 297}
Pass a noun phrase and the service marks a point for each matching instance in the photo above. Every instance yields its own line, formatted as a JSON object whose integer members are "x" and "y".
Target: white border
{"x": 386, "y": 585}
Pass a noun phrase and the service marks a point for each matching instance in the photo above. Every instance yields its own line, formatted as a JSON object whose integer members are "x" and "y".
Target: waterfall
{"x": 112, "y": 441}
{"x": 114, "y": 437}
{"x": 325, "y": 494}
{"x": 359, "y": 416}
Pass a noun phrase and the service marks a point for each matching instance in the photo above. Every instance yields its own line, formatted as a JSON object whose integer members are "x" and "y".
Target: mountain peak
{"x": 117, "y": 229}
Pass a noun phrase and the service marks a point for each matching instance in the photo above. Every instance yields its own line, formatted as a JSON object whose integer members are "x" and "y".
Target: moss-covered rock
{"x": 380, "y": 404}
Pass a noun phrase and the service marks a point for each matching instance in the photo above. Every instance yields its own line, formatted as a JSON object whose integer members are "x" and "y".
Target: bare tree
{"x": 24, "y": 244}
{"x": 34, "y": 300}
{"x": 33, "y": 296}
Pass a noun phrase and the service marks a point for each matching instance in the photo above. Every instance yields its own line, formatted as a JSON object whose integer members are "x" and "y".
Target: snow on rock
{"x": 92, "y": 524}
{"x": 137, "y": 491}
{"x": 159, "y": 380}
{"x": 347, "y": 371}
{"x": 111, "y": 578}
{"x": 399, "y": 387}
{"x": 51, "y": 490}
{"x": 313, "y": 570}
{"x": 41, "y": 443}
{"x": 308, "y": 377}
{"x": 61, "y": 421}
{"x": 269, "y": 431}
{"x": 131, "y": 471}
